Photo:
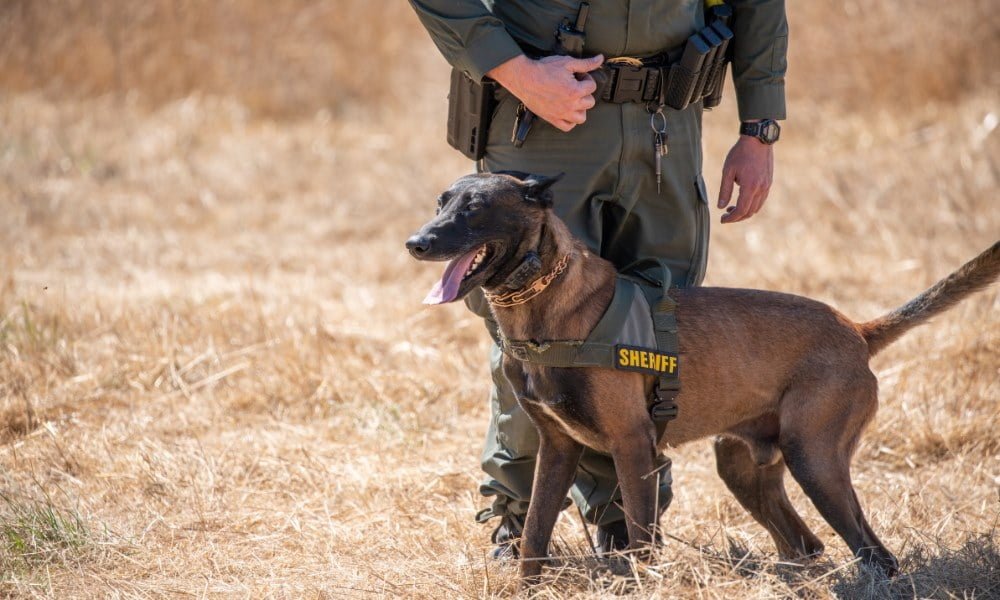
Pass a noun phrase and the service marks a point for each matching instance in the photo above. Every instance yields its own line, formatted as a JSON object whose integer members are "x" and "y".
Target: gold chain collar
{"x": 528, "y": 292}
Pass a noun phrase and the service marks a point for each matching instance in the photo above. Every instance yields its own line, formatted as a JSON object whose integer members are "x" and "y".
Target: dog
{"x": 782, "y": 381}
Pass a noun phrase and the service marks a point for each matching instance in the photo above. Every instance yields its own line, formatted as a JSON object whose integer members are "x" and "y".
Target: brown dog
{"x": 783, "y": 381}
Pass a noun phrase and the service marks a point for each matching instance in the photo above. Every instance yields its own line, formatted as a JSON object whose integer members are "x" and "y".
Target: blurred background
{"x": 215, "y": 372}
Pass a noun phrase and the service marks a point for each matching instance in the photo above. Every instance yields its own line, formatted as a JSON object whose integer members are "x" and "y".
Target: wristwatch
{"x": 767, "y": 130}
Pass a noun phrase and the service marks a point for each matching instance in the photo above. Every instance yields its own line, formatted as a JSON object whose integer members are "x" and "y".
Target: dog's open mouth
{"x": 457, "y": 271}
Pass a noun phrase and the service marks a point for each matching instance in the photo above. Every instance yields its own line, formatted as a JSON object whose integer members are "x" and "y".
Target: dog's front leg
{"x": 558, "y": 455}
{"x": 635, "y": 461}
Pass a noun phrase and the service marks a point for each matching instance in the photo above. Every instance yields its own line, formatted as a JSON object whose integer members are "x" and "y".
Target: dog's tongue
{"x": 446, "y": 290}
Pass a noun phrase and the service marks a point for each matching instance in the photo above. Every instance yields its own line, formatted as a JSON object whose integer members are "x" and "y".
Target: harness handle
{"x": 639, "y": 271}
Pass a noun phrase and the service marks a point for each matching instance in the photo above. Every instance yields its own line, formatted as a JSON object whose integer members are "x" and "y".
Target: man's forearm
{"x": 511, "y": 73}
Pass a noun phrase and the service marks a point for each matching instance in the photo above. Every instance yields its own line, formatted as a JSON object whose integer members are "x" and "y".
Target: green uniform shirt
{"x": 477, "y": 35}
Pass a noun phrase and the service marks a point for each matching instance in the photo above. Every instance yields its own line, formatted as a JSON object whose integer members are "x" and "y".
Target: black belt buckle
{"x": 629, "y": 84}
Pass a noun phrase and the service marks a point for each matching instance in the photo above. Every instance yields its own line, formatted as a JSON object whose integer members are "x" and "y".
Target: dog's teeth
{"x": 476, "y": 261}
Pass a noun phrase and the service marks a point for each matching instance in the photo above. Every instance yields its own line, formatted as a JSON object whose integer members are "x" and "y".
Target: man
{"x": 611, "y": 196}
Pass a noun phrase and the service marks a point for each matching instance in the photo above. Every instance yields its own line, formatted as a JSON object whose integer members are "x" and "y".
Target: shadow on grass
{"x": 933, "y": 571}
{"x": 929, "y": 570}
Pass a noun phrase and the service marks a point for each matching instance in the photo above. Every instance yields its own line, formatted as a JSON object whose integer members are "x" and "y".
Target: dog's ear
{"x": 536, "y": 189}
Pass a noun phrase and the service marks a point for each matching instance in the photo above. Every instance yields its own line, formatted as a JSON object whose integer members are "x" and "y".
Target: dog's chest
{"x": 556, "y": 397}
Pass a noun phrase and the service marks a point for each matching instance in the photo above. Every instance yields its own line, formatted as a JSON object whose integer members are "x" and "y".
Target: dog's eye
{"x": 472, "y": 207}
{"x": 442, "y": 200}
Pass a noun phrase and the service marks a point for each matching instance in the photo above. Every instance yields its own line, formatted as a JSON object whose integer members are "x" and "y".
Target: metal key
{"x": 658, "y": 123}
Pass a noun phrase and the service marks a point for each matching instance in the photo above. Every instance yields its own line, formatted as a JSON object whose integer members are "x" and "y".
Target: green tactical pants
{"x": 609, "y": 199}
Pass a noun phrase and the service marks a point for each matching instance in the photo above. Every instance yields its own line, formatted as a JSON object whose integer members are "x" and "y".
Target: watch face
{"x": 769, "y": 132}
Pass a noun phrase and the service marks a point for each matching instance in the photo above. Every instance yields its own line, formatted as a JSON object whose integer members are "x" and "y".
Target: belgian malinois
{"x": 782, "y": 381}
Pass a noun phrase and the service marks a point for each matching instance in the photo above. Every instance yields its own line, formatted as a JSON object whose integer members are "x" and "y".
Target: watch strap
{"x": 762, "y": 130}
{"x": 751, "y": 129}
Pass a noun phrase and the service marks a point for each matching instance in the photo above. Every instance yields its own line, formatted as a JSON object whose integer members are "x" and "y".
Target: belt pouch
{"x": 685, "y": 72}
{"x": 714, "y": 42}
{"x": 470, "y": 108}
{"x": 716, "y": 79}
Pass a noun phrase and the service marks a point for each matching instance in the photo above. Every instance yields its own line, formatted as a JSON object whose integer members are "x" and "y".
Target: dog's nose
{"x": 418, "y": 245}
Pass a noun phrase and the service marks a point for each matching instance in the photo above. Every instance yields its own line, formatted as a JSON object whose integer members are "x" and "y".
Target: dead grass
{"x": 282, "y": 58}
{"x": 213, "y": 358}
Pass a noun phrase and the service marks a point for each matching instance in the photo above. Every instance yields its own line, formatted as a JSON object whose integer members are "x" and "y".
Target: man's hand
{"x": 750, "y": 164}
{"x": 555, "y": 88}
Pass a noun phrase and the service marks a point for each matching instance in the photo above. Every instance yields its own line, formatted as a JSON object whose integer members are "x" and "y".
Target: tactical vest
{"x": 638, "y": 332}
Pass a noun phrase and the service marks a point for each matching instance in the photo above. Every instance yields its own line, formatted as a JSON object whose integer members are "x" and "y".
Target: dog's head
{"x": 484, "y": 226}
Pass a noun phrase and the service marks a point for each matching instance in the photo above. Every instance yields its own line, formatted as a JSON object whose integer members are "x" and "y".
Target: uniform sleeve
{"x": 467, "y": 34}
{"x": 760, "y": 33}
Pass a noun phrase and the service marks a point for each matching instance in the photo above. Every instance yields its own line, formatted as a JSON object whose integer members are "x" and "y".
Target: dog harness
{"x": 638, "y": 332}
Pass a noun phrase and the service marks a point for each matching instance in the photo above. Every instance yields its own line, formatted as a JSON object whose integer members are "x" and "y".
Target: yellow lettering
{"x": 649, "y": 360}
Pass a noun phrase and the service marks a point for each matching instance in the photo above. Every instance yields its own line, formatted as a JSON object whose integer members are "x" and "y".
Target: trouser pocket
{"x": 699, "y": 260}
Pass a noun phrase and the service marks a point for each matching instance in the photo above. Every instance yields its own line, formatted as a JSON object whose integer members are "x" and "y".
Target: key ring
{"x": 662, "y": 129}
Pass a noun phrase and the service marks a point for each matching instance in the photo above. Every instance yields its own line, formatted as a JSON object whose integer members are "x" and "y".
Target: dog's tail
{"x": 975, "y": 275}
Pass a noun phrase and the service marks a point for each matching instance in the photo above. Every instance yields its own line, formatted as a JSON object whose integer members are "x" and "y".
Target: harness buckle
{"x": 664, "y": 407}
{"x": 663, "y": 411}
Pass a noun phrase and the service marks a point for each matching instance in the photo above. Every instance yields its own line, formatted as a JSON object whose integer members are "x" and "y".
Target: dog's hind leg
{"x": 818, "y": 437}
{"x": 555, "y": 467}
{"x": 761, "y": 490}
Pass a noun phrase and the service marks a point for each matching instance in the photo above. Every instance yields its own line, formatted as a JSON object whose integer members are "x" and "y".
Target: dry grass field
{"x": 217, "y": 379}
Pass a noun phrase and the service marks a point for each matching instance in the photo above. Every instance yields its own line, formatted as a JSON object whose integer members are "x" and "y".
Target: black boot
{"x": 612, "y": 537}
{"x": 506, "y": 538}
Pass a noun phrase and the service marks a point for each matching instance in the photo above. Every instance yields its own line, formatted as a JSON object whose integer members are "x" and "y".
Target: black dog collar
{"x": 525, "y": 272}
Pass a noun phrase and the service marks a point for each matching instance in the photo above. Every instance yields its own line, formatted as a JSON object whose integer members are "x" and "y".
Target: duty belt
{"x": 676, "y": 78}
{"x": 695, "y": 75}
{"x": 626, "y": 79}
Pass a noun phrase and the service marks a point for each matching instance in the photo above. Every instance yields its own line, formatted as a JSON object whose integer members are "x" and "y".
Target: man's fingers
{"x": 743, "y": 205}
{"x": 756, "y": 192}
{"x": 758, "y": 201}
{"x": 726, "y": 187}
{"x": 584, "y": 65}
{"x": 563, "y": 125}
{"x": 754, "y": 203}
{"x": 586, "y": 86}
{"x": 587, "y": 102}
{"x": 752, "y": 190}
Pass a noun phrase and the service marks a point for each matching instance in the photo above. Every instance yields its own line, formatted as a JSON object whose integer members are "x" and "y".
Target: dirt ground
{"x": 217, "y": 379}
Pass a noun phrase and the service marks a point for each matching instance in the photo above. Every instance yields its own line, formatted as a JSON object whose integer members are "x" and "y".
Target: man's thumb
{"x": 585, "y": 65}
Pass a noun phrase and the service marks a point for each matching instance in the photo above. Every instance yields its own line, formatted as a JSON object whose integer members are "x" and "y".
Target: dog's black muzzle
{"x": 420, "y": 244}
